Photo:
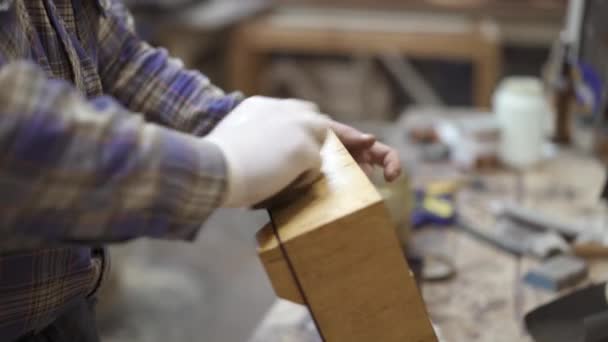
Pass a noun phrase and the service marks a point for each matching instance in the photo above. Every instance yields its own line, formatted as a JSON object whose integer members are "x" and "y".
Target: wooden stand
{"x": 335, "y": 250}
{"x": 363, "y": 34}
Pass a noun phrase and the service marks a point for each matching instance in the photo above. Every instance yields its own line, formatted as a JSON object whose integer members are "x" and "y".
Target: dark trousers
{"x": 76, "y": 325}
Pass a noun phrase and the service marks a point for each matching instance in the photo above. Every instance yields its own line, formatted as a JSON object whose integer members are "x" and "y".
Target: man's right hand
{"x": 268, "y": 143}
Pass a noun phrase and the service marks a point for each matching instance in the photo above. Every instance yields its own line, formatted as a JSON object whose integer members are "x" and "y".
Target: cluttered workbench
{"x": 485, "y": 292}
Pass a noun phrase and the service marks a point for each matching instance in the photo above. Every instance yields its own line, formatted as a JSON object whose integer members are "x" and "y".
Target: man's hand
{"x": 269, "y": 144}
{"x": 368, "y": 152}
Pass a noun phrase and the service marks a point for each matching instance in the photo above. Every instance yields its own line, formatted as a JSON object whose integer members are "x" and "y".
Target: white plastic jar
{"x": 522, "y": 111}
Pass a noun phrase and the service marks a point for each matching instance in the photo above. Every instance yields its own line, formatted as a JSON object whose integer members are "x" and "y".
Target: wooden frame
{"x": 334, "y": 249}
{"x": 512, "y": 8}
{"x": 254, "y": 41}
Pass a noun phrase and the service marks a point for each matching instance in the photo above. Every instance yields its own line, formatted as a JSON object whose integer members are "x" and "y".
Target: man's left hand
{"x": 367, "y": 151}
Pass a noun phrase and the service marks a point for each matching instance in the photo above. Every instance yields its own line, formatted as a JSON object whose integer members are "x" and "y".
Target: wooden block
{"x": 335, "y": 250}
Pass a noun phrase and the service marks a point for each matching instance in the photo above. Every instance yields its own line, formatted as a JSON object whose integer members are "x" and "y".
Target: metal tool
{"x": 518, "y": 239}
{"x": 537, "y": 220}
{"x": 558, "y": 273}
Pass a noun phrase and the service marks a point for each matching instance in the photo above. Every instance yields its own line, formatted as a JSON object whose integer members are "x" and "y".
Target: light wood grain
{"x": 339, "y": 244}
{"x": 276, "y": 267}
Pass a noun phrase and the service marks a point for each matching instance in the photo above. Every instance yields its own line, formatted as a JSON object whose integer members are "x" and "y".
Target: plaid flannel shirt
{"x": 98, "y": 144}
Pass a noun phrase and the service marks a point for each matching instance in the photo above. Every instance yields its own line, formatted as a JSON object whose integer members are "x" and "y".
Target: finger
{"x": 363, "y": 157}
{"x": 368, "y": 169}
{"x": 392, "y": 166}
{"x": 388, "y": 158}
{"x": 352, "y": 138}
{"x": 365, "y": 162}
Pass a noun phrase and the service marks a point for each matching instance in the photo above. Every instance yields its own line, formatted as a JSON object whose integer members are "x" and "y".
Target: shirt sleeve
{"x": 147, "y": 80}
{"x": 89, "y": 171}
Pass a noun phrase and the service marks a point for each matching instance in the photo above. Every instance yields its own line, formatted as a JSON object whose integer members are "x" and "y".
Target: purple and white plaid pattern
{"x": 98, "y": 138}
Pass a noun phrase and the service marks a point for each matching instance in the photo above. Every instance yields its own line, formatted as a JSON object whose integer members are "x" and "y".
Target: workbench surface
{"x": 487, "y": 299}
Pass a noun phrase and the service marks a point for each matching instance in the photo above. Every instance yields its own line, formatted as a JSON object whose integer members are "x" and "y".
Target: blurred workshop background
{"x": 481, "y": 158}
